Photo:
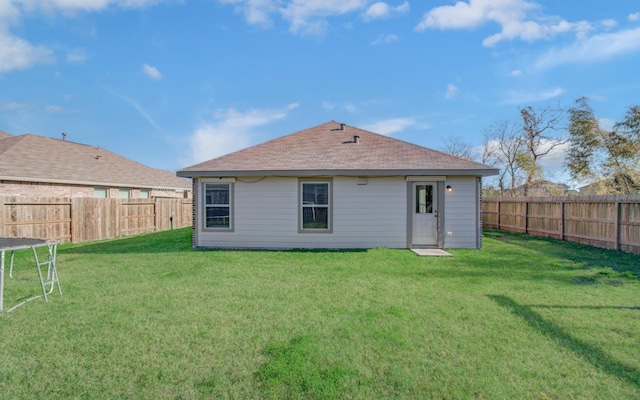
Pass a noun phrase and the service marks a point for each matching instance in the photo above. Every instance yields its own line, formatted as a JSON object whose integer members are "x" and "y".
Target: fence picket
{"x": 611, "y": 222}
{"x": 85, "y": 219}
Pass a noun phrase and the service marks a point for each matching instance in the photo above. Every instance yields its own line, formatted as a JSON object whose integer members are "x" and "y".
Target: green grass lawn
{"x": 148, "y": 317}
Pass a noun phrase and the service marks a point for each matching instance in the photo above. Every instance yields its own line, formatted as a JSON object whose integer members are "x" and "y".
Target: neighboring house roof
{"x": 331, "y": 149}
{"x": 540, "y": 187}
{"x": 33, "y": 158}
{"x": 4, "y": 134}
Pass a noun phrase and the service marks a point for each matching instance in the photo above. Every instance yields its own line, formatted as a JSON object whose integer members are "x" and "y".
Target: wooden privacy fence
{"x": 84, "y": 219}
{"x": 611, "y": 222}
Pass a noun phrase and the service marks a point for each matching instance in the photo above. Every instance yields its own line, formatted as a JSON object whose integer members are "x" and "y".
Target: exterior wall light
{"x": 449, "y": 188}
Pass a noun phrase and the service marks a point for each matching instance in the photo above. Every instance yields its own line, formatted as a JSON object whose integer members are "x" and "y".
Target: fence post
{"x": 71, "y": 230}
{"x": 526, "y": 217}
{"x": 498, "y": 222}
{"x": 2, "y": 217}
{"x": 562, "y": 220}
{"x": 155, "y": 214}
{"x": 616, "y": 216}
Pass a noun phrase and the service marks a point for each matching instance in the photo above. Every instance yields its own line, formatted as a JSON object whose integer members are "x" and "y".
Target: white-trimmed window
{"x": 315, "y": 206}
{"x": 145, "y": 193}
{"x": 218, "y": 206}
{"x": 124, "y": 193}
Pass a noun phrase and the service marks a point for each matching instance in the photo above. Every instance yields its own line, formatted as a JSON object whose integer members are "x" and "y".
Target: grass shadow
{"x": 590, "y": 353}
{"x": 170, "y": 241}
{"x": 576, "y": 255}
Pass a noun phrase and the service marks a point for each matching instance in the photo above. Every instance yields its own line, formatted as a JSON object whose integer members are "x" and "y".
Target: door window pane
{"x": 424, "y": 199}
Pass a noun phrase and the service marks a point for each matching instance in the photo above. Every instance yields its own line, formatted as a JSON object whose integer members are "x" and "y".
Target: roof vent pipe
{"x": 342, "y": 126}
{"x": 356, "y": 139}
{"x": 64, "y": 136}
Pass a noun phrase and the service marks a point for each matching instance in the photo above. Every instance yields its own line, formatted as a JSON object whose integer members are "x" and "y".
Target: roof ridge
{"x": 329, "y": 147}
{"x": 417, "y": 145}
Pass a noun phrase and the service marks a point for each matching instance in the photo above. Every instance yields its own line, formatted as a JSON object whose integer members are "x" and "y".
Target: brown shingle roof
{"x": 4, "y": 135}
{"x": 34, "y": 158}
{"x": 327, "y": 149}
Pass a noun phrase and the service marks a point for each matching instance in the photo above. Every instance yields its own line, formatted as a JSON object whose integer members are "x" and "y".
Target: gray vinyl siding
{"x": 266, "y": 215}
{"x": 461, "y": 213}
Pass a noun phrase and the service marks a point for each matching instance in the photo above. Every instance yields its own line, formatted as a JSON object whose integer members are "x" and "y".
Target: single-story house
{"x": 337, "y": 186}
{"x": 36, "y": 166}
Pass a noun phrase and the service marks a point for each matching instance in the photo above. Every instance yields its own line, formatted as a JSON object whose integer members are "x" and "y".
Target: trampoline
{"x": 47, "y": 281}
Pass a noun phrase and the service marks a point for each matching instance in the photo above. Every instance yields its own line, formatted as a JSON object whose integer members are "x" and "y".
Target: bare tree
{"x": 457, "y": 146}
{"x": 540, "y": 136}
{"x": 502, "y": 144}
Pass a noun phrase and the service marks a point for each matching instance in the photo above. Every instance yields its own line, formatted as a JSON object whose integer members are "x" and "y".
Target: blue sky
{"x": 170, "y": 83}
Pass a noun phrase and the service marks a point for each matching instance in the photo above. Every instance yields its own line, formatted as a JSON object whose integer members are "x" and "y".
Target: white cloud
{"x": 525, "y": 97}
{"x": 59, "y": 110}
{"x": 384, "y": 39}
{"x": 8, "y": 14}
{"x": 595, "y": 48}
{"x": 516, "y": 72}
{"x": 634, "y": 17}
{"x": 136, "y": 106}
{"x": 151, "y": 72}
{"x": 293, "y": 106}
{"x": 382, "y": 10}
{"x": 77, "y": 56}
{"x": 231, "y": 130}
{"x": 14, "y": 106}
{"x": 452, "y": 91}
{"x": 327, "y": 105}
{"x": 554, "y": 162}
{"x": 306, "y": 17}
{"x": 53, "y": 109}
{"x": 16, "y": 53}
{"x": 609, "y": 23}
{"x": 606, "y": 123}
{"x": 349, "y": 107}
{"x": 71, "y": 6}
{"x": 256, "y": 12}
{"x": 390, "y": 126}
{"x": 513, "y": 16}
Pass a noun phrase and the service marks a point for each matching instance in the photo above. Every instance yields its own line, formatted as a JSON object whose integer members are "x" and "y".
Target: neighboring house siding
{"x": 266, "y": 215}
{"x": 33, "y": 189}
{"x": 36, "y": 189}
{"x": 460, "y": 210}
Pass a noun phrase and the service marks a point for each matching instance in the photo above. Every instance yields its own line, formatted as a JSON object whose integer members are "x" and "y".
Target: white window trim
{"x": 327, "y": 181}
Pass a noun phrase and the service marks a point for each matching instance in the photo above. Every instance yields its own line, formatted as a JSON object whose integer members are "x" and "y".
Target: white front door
{"x": 425, "y": 214}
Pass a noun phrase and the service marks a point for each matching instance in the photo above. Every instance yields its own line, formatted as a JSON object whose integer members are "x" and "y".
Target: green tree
{"x": 611, "y": 158}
